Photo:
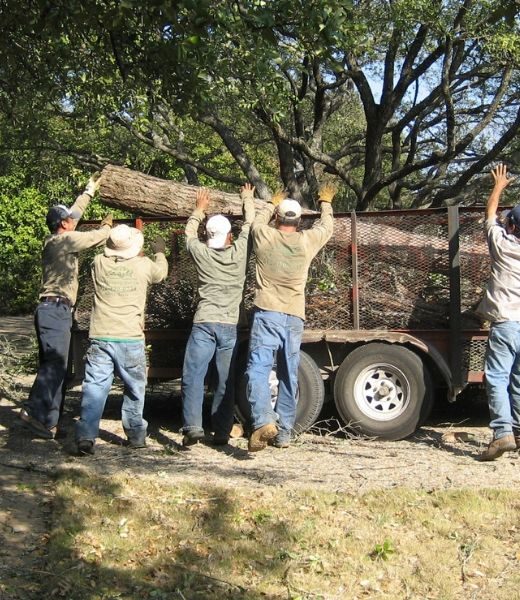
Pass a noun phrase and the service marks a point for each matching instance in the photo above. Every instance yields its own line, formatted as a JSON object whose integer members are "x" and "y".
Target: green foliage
{"x": 382, "y": 551}
{"x": 22, "y": 230}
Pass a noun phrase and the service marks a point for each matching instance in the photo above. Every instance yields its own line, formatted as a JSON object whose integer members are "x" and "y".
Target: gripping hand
{"x": 108, "y": 220}
{"x": 327, "y": 193}
{"x": 93, "y": 184}
{"x": 158, "y": 245}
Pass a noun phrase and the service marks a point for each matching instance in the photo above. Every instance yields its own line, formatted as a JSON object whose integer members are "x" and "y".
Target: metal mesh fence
{"x": 402, "y": 276}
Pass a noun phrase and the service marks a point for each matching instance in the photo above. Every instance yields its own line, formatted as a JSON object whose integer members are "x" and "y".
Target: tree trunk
{"x": 148, "y": 196}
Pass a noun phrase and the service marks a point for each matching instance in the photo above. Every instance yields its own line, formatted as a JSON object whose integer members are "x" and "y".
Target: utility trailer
{"x": 391, "y": 317}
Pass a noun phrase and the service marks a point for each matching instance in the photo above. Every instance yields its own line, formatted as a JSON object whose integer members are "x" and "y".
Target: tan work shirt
{"x": 120, "y": 288}
{"x": 60, "y": 256}
{"x": 283, "y": 260}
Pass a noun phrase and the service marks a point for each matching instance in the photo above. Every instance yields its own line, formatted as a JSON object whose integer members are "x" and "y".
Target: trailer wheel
{"x": 311, "y": 394}
{"x": 383, "y": 390}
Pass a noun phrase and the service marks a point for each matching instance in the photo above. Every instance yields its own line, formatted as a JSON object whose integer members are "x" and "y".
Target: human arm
{"x": 501, "y": 181}
{"x": 75, "y": 241}
{"x": 265, "y": 214}
{"x": 247, "y": 192}
{"x": 159, "y": 268}
{"x": 322, "y": 229}
{"x": 83, "y": 200}
{"x": 197, "y": 216}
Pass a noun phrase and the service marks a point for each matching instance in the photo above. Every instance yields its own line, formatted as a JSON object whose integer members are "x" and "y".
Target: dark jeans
{"x": 207, "y": 340}
{"x": 53, "y": 322}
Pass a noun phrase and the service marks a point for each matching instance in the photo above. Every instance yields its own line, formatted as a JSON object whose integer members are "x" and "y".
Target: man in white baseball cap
{"x": 218, "y": 229}
{"x": 221, "y": 269}
{"x": 283, "y": 256}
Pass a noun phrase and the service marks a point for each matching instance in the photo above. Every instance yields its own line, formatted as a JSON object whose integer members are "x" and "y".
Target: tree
{"x": 404, "y": 101}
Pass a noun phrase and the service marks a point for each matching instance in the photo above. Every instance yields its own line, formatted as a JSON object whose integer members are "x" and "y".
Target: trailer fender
{"x": 394, "y": 337}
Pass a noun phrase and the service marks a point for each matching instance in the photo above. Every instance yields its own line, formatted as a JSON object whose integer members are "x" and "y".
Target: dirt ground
{"x": 442, "y": 455}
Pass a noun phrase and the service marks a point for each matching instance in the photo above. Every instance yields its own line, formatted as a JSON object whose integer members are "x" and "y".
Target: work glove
{"x": 277, "y": 197}
{"x": 327, "y": 193}
{"x": 93, "y": 184}
{"x": 158, "y": 245}
{"x": 108, "y": 220}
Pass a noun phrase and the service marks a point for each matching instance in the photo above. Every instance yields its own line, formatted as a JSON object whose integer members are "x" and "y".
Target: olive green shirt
{"x": 283, "y": 260}
{"x": 120, "y": 287}
{"x": 220, "y": 273}
{"x": 60, "y": 256}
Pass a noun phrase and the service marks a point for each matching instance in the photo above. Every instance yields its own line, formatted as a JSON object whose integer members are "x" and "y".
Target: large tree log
{"x": 148, "y": 196}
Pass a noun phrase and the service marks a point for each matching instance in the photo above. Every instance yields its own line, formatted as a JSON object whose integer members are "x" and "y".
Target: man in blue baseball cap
{"x": 53, "y": 316}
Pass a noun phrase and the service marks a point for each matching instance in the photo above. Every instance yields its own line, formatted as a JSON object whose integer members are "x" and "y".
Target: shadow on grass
{"x": 189, "y": 547}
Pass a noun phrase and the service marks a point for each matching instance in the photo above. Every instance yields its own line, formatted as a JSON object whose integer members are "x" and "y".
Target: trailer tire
{"x": 383, "y": 390}
{"x": 311, "y": 395}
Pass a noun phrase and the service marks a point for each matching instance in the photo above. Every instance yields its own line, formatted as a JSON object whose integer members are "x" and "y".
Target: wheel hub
{"x": 382, "y": 392}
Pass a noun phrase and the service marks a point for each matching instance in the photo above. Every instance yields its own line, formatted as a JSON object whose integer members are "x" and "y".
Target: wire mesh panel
{"x": 475, "y": 266}
{"x": 473, "y": 355}
{"x": 403, "y": 273}
{"x": 403, "y": 270}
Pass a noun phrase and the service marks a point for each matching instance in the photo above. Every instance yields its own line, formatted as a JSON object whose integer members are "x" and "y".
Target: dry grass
{"x": 128, "y": 537}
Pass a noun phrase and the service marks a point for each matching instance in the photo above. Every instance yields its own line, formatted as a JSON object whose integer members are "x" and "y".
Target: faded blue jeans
{"x": 502, "y": 369}
{"x": 274, "y": 335}
{"x": 127, "y": 360}
{"x": 207, "y": 340}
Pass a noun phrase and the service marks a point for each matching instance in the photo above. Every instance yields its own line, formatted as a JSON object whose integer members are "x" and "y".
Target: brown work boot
{"x": 498, "y": 446}
{"x": 260, "y": 437}
{"x": 517, "y": 441}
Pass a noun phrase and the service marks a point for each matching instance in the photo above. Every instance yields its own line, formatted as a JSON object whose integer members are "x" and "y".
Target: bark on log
{"x": 148, "y": 196}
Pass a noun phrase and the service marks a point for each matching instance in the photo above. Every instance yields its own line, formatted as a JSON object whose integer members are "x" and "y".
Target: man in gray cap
{"x": 283, "y": 256}
{"x": 501, "y": 306}
{"x": 53, "y": 316}
{"x": 121, "y": 277}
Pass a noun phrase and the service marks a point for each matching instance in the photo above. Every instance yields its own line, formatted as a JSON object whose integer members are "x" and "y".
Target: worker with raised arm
{"x": 221, "y": 270}
{"x": 121, "y": 277}
{"x": 53, "y": 315}
{"x": 283, "y": 256}
{"x": 501, "y": 306}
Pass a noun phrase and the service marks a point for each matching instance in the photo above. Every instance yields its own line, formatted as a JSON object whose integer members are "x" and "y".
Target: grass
{"x": 129, "y": 537}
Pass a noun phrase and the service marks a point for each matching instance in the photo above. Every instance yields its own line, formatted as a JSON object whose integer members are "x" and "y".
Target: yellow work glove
{"x": 327, "y": 193}
{"x": 277, "y": 197}
{"x": 108, "y": 220}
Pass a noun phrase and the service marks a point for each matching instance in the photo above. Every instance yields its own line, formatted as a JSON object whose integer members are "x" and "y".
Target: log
{"x": 147, "y": 196}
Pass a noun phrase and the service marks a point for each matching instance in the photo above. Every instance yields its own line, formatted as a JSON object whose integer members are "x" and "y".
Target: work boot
{"x": 85, "y": 447}
{"x": 36, "y": 426}
{"x": 135, "y": 443}
{"x": 498, "y": 446}
{"x": 192, "y": 437}
{"x": 281, "y": 442}
{"x": 260, "y": 437}
{"x": 517, "y": 441}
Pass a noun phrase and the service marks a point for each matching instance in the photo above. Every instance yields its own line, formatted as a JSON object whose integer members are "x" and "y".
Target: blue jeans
{"x": 53, "y": 322}
{"x": 502, "y": 371}
{"x": 274, "y": 335}
{"x": 127, "y": 360}
{"x": 207, "y": 340}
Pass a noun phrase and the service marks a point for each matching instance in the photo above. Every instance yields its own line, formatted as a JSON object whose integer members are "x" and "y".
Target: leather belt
{"x": 57, "y": 299}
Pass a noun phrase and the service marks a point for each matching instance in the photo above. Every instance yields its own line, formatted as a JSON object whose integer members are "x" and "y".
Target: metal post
{"x": 355, "y": 274}
{"x": 455, "y": 299}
